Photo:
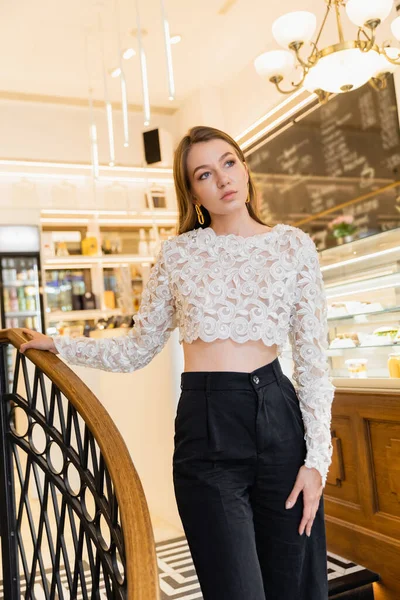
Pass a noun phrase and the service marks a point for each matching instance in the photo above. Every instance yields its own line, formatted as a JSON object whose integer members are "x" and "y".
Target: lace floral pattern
{"x": 265, "y": 287}
{"x": 233, "y": 287}
{"x": 308, "y": 335}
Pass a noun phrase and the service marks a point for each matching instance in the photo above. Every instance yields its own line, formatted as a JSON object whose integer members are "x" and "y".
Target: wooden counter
{"x": 362, "y": 494}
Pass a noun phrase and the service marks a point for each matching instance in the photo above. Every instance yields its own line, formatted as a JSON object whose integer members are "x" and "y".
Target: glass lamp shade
{"x": 384, "y": 65}
{"x": 277, "y": 62}
{"x": 338, "y": 71}
{"x": 361, "y": 11}
{"x": 395, "y": 26}
{"x": 296, "y": 26}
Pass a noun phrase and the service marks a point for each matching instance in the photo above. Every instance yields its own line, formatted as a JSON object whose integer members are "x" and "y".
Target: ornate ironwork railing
{"x": 74, "y": 522}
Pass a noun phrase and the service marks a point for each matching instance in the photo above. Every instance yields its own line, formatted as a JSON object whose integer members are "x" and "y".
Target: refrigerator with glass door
{"x": 21, "y": 297}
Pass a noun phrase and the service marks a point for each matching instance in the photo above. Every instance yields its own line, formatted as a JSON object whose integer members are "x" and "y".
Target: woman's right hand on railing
{"x": 38, "y": 341}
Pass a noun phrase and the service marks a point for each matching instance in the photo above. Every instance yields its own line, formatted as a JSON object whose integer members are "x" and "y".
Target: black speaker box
{"x": 152, "y": 148}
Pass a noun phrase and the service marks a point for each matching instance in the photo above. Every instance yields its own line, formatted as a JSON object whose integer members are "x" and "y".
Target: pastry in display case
{"x": 362, "y": 285}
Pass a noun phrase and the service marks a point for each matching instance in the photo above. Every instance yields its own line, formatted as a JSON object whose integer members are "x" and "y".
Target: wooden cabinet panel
{"x": 362, "y": 494}
{"x": 385, "y": 449}
{"x": 342, "y": 475}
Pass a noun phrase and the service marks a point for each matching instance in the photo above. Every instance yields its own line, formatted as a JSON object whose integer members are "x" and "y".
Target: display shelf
{"x": 21, "y": 283}
{"x": 365, "y": 271}
{"x": 288, "y": 353}
{"x": 24, "y": 313}
{"x": 158, "y": 224}
{"x": 371, "y": 313}
{"x": 82, "y": 315}
{"x": 364, "y": 284}
{"x": 366, "y": 383}
{"x": 338, "y": 351}
{"x": 380, "y": 246}
{"x": 76, "y": 261}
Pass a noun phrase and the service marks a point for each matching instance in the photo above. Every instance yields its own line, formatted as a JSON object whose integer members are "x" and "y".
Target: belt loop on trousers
{"x": 208, "y": 383}
{"x": 277, "y": 369}
{"x": 212, "y": 428}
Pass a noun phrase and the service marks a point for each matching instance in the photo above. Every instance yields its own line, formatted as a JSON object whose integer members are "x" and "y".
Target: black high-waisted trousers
{"x": 239, "y": 443}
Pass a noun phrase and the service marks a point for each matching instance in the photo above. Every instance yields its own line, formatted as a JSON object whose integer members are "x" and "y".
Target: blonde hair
{"x": 187, "y": 213}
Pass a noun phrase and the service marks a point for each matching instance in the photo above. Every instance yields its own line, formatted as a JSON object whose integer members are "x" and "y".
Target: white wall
{"x": 202, "y": 108}
{"x": 21, "y": 193}
{"x": 48, "y": 132}
{"x": 232, "y": 107}
{"x": 246, "y": 98}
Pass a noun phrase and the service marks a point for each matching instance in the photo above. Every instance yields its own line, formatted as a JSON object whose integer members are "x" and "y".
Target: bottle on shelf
{"x": 62, "y": 249}
{"x": 21, "y": 299}
{"x": 90, "y": 246}
{"x": 14, "y": 307}
{"x": 12, "y": 271}
{"x": 6, "y": 271}
{"x": 106, "y": 247}
{"x": 152, "y": 243}
{"x": 32, "y": 272}
{"x": 116, "y": 244}
{"x": 30, "y": 302}
{"x": 143, "y": 247}
{"x": 7, "y": 303}
{"x": 394, "y": 365}
{"x": 22, "y": 274}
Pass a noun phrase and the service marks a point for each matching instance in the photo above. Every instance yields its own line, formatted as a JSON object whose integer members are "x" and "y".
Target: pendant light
{"x": 124, "y": 98}
{"x": 143, "y": 68}
{"x": 108, "y": 104}
{"x": 167, "y": 43}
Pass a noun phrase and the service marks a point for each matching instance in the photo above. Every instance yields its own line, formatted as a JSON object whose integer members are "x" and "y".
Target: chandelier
{"x": 341, "y": 67}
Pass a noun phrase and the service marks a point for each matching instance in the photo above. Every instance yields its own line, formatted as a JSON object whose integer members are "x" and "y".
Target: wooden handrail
{"x": 141, "y": 564}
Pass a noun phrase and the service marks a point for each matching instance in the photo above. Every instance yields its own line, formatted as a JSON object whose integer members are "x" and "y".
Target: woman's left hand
{"x": 310, "y": 481}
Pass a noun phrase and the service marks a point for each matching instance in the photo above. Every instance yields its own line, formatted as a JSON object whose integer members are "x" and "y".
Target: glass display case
{"x": 65, "y": 288}
{"x": 362, "y": 284}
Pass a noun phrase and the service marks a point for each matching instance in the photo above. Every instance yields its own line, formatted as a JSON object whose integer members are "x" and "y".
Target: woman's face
{"x": 215, "y": 169}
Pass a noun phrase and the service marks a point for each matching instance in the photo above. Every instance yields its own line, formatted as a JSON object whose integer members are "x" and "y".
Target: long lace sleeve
{"x": 154, "y": 323}
{"x": 308, "y": 335}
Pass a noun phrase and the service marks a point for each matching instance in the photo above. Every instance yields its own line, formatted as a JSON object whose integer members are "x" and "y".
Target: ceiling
{"x": 43, "y": 44}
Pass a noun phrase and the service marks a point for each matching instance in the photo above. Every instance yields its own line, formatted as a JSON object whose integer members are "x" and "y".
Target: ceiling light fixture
{"x": 143, "y": 68}
{"x": 167, "y": 44}
{"x": 175, "y": 39}
{"x": 124, "y": 96}
{"x": 115, "y": 72}
{"x": 93, "y": 142}
{"x": 341, "y": 67}
{"x": 128, "y": 53}
{"x": 92, "y": 125}
{"x": 110, "y": 126}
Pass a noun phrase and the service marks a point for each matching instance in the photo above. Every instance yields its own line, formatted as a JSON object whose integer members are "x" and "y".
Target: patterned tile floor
{"x": 178, "y": 578}
{"x": 38, "y": 592}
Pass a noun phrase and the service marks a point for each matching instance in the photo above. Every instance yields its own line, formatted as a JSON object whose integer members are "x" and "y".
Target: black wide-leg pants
{"x": 239, "y": 443}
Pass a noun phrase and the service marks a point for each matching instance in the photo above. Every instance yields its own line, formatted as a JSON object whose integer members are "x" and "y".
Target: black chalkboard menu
{"x": 339, "y": 151}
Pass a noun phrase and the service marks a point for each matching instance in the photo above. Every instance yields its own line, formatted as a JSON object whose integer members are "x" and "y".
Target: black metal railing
{"x": 61, "y": 531}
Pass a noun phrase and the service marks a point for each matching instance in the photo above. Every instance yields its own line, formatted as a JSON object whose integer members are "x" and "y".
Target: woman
{"x": 251, "y": 451}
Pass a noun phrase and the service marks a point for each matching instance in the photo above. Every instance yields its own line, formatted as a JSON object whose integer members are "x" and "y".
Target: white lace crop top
{"x": 265, "y": 287}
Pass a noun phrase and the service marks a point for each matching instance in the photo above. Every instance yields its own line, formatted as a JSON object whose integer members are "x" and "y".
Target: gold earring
{"x": 248, "y": 199}
{"x": 200, "y": 215}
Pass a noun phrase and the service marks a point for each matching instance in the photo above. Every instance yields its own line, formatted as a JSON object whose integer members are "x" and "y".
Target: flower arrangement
{"x": 342, "y": 226}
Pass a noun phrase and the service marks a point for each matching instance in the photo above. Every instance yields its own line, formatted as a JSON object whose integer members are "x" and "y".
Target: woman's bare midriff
{"x": 227, "y": 355}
